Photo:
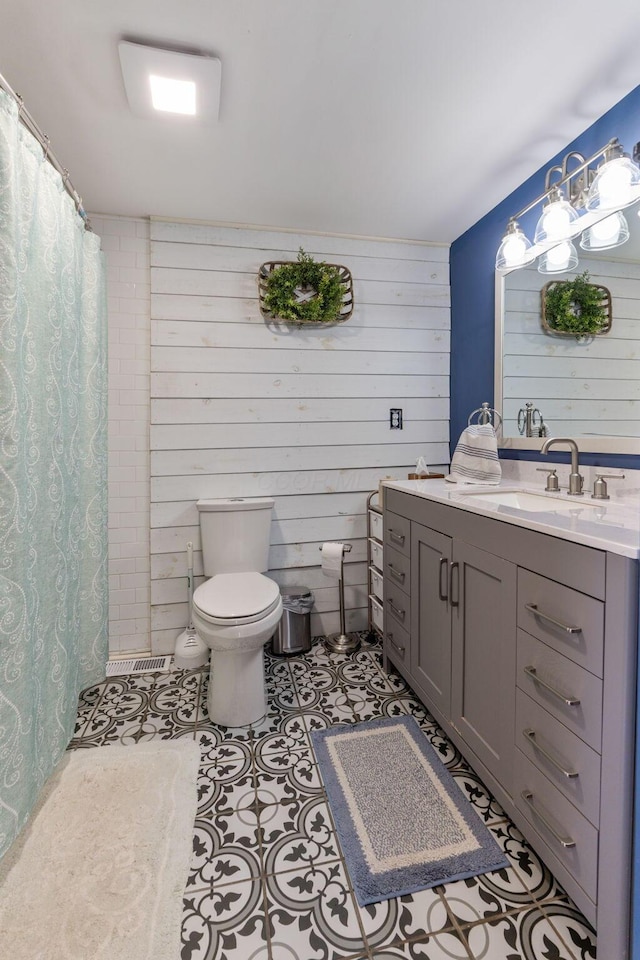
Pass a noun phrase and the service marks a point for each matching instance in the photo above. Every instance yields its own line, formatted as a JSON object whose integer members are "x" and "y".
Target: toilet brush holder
{"x": 342, "y": 642}
{"x": 191, "y": 652}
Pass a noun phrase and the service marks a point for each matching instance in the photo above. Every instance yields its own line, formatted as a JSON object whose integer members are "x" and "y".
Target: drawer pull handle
{"x": 454, "y": 566}
{"x": 394, "y": 644}
{"x": 533, "y": 608}
{"x": 396, "y": 538}
{"x": 569, "y": 701}
{"x": 396, "y": 610}
{"x": 528, "y": 798}
{"x": 395, "y": 574}
{"x": 531, "y": 737}
{"x": 443, "y": 568}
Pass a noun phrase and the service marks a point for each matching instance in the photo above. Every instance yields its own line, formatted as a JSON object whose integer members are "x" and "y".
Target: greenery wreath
{"x": 575, "y": 306}
{"x": 304, "y": 292}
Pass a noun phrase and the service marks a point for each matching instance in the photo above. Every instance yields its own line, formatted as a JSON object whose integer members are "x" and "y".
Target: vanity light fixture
{"x": 161, "y": 82}
{"x": 558, "y": 221}
{"x": 560, "y": 258}
{"x": 514, "y": 249}
{"x": 575, "y": 203}
{"x": 606, "y": 234}
{"x": 617, "y": 183}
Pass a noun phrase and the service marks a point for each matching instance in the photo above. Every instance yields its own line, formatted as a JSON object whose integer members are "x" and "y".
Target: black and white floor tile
{"x": 268, "y": 880}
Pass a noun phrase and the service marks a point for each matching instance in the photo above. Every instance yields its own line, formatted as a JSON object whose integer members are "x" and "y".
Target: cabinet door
{"x": 430, "y": 616}
{"x": 483, "y": 620}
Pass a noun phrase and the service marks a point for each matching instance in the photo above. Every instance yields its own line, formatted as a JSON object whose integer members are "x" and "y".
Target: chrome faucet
{"x": 576, "y": 480}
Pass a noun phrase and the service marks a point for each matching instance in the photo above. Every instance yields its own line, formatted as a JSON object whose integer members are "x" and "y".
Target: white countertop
{"x": 612, "y": 525}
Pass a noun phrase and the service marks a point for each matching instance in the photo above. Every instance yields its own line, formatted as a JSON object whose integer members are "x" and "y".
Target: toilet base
{"x": 237, "y": 694}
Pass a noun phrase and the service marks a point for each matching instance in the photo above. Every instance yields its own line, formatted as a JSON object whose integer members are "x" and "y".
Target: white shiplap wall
{"x": 581, "y": 388}
{"x": 239, "y": 408}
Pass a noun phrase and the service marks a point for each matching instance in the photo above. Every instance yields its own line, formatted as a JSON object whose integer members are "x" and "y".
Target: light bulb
{"x": 604, "y": 231}
{"x": 559, "y": 255}
{"x": 514, "y": 249}
{"x": 556, "y": 222}
{"x": 614, "y": 185}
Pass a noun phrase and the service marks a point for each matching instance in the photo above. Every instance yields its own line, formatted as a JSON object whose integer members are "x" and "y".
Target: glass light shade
{"x": 617, "y": 185}
{"x": 611, "y": 232}
{"x": 514, "y": 251}
{"x": 558, "y": 221}
{"x": 559, "y": 259}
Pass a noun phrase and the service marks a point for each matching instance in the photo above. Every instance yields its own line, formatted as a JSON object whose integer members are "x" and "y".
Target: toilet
{"x": 237, "y": 610}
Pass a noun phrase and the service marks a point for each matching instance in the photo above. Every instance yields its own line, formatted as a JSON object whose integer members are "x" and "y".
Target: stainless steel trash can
{"x": 294, "y": 630}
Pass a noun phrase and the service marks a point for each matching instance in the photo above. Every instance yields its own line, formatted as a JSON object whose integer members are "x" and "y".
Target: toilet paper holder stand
{"x": 342, "y": 642}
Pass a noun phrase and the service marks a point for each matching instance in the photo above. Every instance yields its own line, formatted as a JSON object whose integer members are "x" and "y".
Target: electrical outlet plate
{"x": 395, "y": 418}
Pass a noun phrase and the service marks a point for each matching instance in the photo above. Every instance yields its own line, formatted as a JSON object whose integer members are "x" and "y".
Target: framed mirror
{"x": 583, "y": 387}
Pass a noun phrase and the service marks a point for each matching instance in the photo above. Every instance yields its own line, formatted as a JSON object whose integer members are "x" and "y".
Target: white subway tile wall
{"x": 125, "y": 243}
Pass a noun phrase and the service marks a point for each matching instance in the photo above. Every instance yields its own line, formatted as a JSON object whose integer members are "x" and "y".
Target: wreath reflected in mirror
{"x": 305, "y": 291}
{"x": 576, "y": 307}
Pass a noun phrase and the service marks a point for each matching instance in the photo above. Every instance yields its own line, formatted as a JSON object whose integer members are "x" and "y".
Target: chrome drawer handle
{"x": 394, "y": 644}
{"x": 395, "y": 574}
{"x": 396, "y": 538}
{"x": 566, "y": 842}
{"x": 569, "y": 701}
{"x": 443, "y": 568}
{"x": 531, "y": 737}
{"x": 533, "y": 608}
{"x": 395, "y": 610}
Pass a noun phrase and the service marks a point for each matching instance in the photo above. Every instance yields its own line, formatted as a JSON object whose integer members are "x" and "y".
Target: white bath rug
{"x": 100, "y": 871}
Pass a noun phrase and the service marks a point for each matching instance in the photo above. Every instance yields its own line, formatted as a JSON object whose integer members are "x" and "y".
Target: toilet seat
{"x": 234, "y": 599}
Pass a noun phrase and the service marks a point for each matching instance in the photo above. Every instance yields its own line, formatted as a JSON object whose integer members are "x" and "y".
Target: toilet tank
{"x": 235, "y": 534}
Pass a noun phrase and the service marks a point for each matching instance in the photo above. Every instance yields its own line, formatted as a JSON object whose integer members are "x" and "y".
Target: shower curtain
{"x": 53, "y": 511}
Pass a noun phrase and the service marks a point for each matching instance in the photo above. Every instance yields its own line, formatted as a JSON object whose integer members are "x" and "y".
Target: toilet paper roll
{"x": 332, "y": 560}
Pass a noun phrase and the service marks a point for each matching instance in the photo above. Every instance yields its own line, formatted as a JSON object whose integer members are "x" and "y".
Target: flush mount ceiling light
{"x": 169, "y": 83}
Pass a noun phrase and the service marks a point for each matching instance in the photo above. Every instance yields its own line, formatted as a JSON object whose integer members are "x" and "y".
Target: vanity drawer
{"x": 376, "y": 526}
{"x": 572, "y": 766}
{"x": 396, "y": 643}
{"x": 397, "y": 533}
{"x": 397, "y": 570}
{"x": 569, "y": 836}
{"x": 551, "y": 680}
{"x": 570, "y": 622}
{"x": 377, "y": 613}
{"x": 397, "y": 607}
{"x": 376, "y": 583}
{"x": 377, "y": 553}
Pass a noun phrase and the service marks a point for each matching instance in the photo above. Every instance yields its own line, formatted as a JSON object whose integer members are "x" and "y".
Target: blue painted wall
{"x": 472, "y": 326}
{"x": 472, "y": 280}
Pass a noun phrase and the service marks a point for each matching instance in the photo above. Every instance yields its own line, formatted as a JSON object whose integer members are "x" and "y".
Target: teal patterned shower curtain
{"x": 53, "y": 497}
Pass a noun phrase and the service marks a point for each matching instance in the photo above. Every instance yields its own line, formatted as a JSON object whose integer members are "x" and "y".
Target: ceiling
{"x": 395, "y": 118}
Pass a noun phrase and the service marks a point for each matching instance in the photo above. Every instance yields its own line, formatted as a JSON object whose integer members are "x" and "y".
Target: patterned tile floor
{"x": 268, "y": 880}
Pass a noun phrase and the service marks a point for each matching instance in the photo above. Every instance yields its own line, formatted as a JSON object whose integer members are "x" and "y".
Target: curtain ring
{"x": 20, "y": 103}
{"x": 46, "y": 142}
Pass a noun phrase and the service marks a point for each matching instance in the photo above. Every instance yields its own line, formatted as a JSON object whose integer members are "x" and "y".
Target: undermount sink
{"x": 528, "y": 500}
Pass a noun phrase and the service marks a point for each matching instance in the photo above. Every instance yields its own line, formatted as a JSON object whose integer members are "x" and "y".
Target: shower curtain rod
{"x": 27, "y": 120}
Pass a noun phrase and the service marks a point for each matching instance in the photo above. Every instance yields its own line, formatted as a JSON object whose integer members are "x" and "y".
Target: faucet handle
{"x": 552, "y": 479}
{"x": 600, "y": 491}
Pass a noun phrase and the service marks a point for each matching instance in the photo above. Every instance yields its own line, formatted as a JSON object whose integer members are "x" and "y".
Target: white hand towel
{"x": 475, "y": 459}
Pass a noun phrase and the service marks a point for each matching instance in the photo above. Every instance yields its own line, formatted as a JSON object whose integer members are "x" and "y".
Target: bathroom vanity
{"x": 513, "y": 616}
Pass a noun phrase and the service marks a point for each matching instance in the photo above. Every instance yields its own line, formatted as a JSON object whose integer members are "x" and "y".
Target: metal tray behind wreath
{"x": 346, "y": 309}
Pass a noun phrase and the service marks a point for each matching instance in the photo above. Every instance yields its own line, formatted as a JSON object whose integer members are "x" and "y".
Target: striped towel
{"x": 475, "y": 459}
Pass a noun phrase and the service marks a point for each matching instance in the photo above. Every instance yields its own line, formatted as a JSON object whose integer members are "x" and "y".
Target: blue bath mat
{"x": 403, "y": 823}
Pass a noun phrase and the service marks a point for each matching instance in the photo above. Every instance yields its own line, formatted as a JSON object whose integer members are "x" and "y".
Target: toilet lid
{"x": 236, "y": 598}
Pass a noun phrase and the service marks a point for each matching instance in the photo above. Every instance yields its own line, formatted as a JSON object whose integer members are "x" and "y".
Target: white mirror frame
{"x": 628, "y": 445}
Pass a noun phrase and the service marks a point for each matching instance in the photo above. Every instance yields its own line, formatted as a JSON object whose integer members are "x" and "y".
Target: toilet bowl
{"x": 237, "y": 610}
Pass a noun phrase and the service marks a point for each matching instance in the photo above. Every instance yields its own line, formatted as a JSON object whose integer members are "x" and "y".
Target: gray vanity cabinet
{"x": 431, "y": 554}
{"x": 523, "y": 647}
{"x": 483, "y": 602}
{"x": 462, "y": 614}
